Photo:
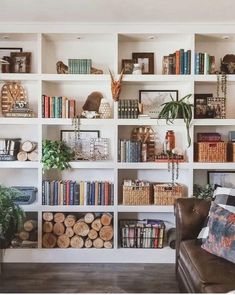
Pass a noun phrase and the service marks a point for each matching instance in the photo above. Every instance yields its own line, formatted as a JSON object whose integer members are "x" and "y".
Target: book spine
{"x": 76, "y": 193}
{"x": 181, "y": 61}
{"x": 67, "y": 191}
{"x": 71, "y": 193}
{"x": 185, "y": 63}
{"x": 106, "y": 193}
{"x": 177, "y": 62}
{"x": 189, "y": 62}
{"x": 43, "y": 193}
{"x": 96, "y": 193}
{"x": 43, "y": 106}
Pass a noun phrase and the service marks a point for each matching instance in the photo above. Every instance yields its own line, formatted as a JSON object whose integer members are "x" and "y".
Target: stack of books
{"x": 58, "y": 107}
{"x": 79, "y": 66}
{"x": 68, "y": 192}
{"x": 128, "y": 109}
{"x": 204, "y": 64}
{"x": 129, "y": 151}
{"x": 177, "y": 63}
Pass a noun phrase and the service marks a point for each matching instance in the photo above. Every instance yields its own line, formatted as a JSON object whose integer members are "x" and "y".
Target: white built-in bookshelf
{"x": 107, "y": 46}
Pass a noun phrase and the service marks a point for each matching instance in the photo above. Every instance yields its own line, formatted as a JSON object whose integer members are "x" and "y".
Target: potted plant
{"x": 178, "y": 109}
{"x": 56, "y": 154}
{"x": 203, "y": 192}
{"x": 11, "y": 217}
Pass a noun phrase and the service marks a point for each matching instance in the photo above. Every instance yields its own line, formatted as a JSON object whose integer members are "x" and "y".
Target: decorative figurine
{"x": 116, "y": 85}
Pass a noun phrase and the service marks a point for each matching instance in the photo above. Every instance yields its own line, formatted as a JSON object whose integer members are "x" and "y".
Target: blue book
{"x": 43, "y": 193}
{"x": 88, "y": 193}
{"x": 102, "y": 193}
{"x": 99, "y": 193}
{"x": 55, "y": 201}
{"x": 197, "y": 63}
{"x": 93, "y": 193}
{"x": 76, "y": 190}
{"x": 64, "y": 192}
{"x": 71, "y": 193}
{"x": 111, "y": 194}
{"x": 185, "y": 62}
{"x": 189, "y": 62}
{"x": 181, "y": 61}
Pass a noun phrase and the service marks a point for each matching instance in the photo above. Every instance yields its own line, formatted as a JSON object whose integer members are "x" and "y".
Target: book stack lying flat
{"x": 79, "y": 66}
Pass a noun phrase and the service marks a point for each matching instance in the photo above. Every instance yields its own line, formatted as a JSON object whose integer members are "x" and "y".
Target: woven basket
{"x": 231, "y": 151}
{"x": 166, "y": 193}
{"x": 137, "y": 195}
{"x": 211, "y": 152}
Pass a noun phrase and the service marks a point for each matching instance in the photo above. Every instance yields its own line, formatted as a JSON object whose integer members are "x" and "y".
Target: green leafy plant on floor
{"x": 11, "y": 215}
{"x": 56, "y": 154}
{"x": 178, "y": 109}
{"x": 203, "y": 192}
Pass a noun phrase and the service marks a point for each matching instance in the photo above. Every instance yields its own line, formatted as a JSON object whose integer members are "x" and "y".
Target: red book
{"x": 177, "y": 62}
{"x": 47, "y": 106}
{"x": 156, "y": 237}
{"x": 71, "y": 108}
{"x": 67, "y": 192}
{"x": 106, "y": 193}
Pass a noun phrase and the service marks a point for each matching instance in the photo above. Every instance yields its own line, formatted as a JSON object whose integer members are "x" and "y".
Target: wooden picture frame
{"x": 152, "y": 100}
{"x": 21, "y": 62}
{"x": 200, "y": 105}
{"x": 145, "y": 60}
{"x": 127, "y": 66}
{"x": 216, "y": 106}
{"x": 5, "y": 53}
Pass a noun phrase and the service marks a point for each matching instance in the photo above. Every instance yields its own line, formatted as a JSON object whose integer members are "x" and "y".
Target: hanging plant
{"x": 56, "y": 154}
{"x": 178, "y": 109}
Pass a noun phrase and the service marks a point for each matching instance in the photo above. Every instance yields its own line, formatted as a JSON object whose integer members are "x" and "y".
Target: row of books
{"x": 79, "y": 66}
{"x": 204, "y": 64}
{"x": 67, "y": 192}
{"x": 177, "y": 63}
{"x": 58, "y": 107}
{"x": 139, "y": 235}
{"x": 128, "y": 109}
{"x": 129, "y": 151}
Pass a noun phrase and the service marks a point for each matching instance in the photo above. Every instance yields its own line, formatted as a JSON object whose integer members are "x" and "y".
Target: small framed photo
{"x": 145, "y": 60}
{"x": 216, "y": 107}
{"x": 152, "y": 100}
{"x": 127, "y": 66}
{"x": 5, "y": 53}
{"x": 200, "y": 105}
{"x": 99, "y": 149}
{"x": 21, "y": 62}
{"x": 221, "y": 178}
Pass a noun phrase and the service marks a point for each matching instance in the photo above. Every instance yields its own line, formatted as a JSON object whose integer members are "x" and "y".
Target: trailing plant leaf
{"x": 11, "y": 215}
{"x": 175, "y": 109}
{"x": 56, "y": 154}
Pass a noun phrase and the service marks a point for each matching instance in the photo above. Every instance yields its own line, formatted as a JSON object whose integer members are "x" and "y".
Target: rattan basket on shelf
{"x": 166, "y": 193}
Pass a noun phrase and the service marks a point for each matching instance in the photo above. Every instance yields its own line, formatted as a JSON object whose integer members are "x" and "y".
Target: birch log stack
{"x": 28, "y": 151}
{"x": 88, "y": 231}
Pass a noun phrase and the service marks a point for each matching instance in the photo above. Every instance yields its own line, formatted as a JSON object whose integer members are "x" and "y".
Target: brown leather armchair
{"x": 198, "y": 271}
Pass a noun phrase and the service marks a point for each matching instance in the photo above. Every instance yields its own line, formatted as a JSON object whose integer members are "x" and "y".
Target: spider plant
{"x": 178, "y": 109}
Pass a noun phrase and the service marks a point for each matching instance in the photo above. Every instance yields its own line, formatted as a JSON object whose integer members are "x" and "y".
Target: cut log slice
{"x": 22, "y": 156}
{"x": 47, "y": 227}
{"x": 89, "y": 217}
{"x": 88, "y": 243}
{"x": 93, "y": 234}
{"x": 106, "y": 218}
{"x": 28, "y": 146}
{"x": 24, "y": 235}
{"x": 58, "y": 228}
{"x": 47, "y": 216}
{"x": 98, "y": 243}
{"x": 69, "y": 232}
{"x": 30, "y": 225}
{"x": 49, "y": 240}
{"x": 96, "y": 224}
{"x": 76, "y": 242}
{"x": 59, "y": 217}
{"x": 70, "y": 220}
{"x": 63, "y": 241}
{"x": 81, "y": 228}
{"x": 108, "y": 244}
{"x": 106, "y": 233}
{"x": 33, "y": 156}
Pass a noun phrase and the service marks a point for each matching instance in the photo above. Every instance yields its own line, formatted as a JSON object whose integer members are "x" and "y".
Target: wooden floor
{"x": 88, "y": 278}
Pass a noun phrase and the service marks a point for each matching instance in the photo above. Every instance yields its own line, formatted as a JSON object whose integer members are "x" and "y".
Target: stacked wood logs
{"x": 27, "y": 237}
{"x": 87, "y": 231}
{"x": 28, "y": 151}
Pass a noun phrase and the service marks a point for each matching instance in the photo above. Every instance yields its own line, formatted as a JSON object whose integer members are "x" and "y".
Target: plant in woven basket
{"x": 203, "y": 192}
{"x": 11, "y": 215}
{"x": 178, "y": 109}
{"x": 56, "y": 154}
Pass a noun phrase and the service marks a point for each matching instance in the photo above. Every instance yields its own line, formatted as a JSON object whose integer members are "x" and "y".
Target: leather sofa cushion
{"x": 205, "y": 269}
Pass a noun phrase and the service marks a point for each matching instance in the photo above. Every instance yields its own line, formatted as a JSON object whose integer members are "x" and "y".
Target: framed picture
{"x": 223, "y": 178}
{"x": 83, "y": 144}
{"x": 216, "y": 107}
{"x": 200, "y": 105}
{"x": 127, "y": 66}
{"x": 5, "y": 53}
{"x": 152, "y": 100}
{"x": 99, "y": 149}
{"x": 145, "y": 60}
{"x": 21, "y": 62}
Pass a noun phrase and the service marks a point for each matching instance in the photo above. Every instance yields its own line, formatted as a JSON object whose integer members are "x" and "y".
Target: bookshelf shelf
{"x": 47, "y": 48}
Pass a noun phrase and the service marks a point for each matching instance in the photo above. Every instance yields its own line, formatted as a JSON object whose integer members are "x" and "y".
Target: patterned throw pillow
{"x": 225, "y": 197}
{"x": 221, "y": 237}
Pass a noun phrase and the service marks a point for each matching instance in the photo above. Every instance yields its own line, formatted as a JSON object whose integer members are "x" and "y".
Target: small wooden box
{"x": 211, "y": 152}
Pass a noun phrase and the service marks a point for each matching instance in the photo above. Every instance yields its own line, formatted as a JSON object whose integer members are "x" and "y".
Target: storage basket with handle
{"x": 135, "y": 193}
{"x": 166, "y": 193}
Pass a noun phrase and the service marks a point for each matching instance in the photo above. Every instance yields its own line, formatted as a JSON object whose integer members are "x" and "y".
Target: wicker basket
{"x": 137, "y": 195}
{"x": 211, "y": 152}
{"x": 166, "y": 193}
{"x": 231, "y": 151}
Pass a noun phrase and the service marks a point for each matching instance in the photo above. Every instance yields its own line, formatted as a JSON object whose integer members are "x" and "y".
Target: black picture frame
{"x": 152, "y": 100}
{"x": 225, "y": 178}
{"x": 201, "y": 110}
